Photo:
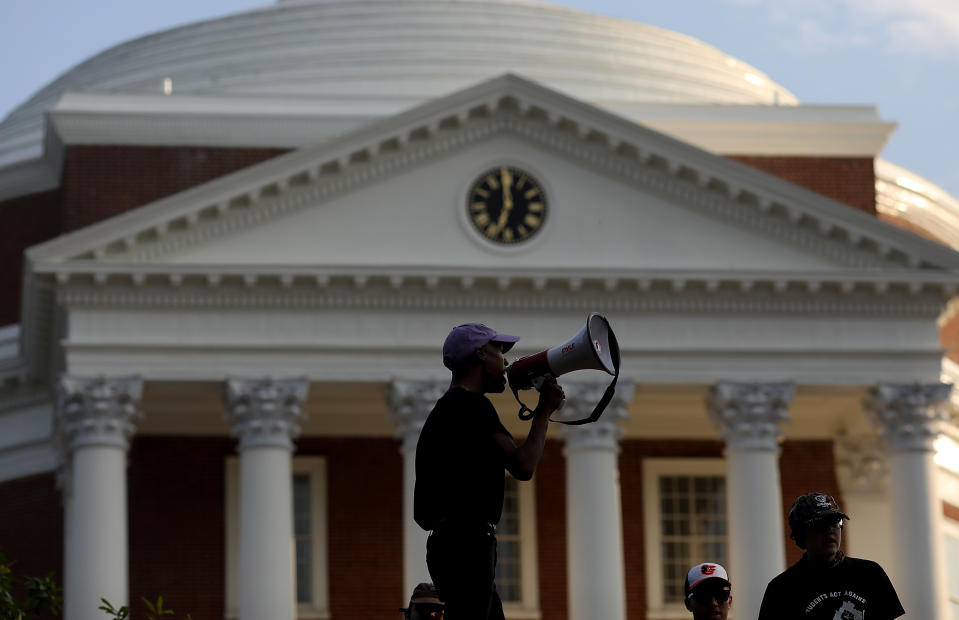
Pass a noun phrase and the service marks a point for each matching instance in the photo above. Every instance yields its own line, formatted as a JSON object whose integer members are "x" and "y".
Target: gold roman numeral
{"x": 530, "y": 193}
{"x": 508, "y": 234}
{"x": 531, "y": 220}
{"x": 481, "y": 219}
{"x": 536, "y": 207}
{"x": 482, "y": 192}
{"x": 492, "y": 182}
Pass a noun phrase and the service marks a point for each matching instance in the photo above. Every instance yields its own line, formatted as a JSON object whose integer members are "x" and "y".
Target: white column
{"x": 410, "y": 404}
{"x": 863, "y": 472}
{"x": 594, "y": 528}
{"x": 748, "y": 416}
{"x": 265, "y": 414}
{"x": 909, "y": 415}
{"x": 95, "y": 422}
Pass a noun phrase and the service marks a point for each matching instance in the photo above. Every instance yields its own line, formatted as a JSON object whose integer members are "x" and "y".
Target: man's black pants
{"x": 462, "y": 563}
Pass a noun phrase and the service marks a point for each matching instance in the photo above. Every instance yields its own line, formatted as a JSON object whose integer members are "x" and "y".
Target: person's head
{"x": 708, "y": 592}
{"x": 425, "y": 604}
{"x": 815, "y": 523}
{"x": 475, "y": 352}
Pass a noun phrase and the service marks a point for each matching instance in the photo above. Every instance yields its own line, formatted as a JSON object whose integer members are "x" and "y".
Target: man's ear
{"x": 689, "y": 604}
{"x": 730, "y": 601}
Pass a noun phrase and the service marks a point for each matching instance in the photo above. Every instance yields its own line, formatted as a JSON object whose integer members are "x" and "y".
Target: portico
{"x": 748, "y": 311}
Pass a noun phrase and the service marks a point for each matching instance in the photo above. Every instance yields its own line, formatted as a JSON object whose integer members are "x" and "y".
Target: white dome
{"x": 403, "y": 52}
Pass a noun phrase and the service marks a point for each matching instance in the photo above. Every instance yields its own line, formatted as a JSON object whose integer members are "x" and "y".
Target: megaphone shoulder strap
{"x": 525, "y": 413}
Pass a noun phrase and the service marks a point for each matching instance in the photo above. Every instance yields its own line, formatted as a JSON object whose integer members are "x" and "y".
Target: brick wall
{"x": 550, "y": 480}
{"x": 26, "y": 221}
{"x": 365, "y": 490}
{"x": 99, "y": 182}
{"x": 103, "y": 181}
{"x": 176, "y": 517}
{"x": 850, "y": 180}
{"x": 31, "y": 526}
{"x": 805, "y": 467}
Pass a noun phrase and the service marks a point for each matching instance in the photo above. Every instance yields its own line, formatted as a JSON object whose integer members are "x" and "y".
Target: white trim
{"x": 653, "y": 468}
{"x": 528, "y": 608}
{"x": 315, "y": 467}
{"x": 950, "y": 529}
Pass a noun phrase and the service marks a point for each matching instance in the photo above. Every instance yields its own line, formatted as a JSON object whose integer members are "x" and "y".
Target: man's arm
{"x": 521, "y": 461}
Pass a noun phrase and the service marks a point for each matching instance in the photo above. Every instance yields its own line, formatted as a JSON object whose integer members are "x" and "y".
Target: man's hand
{"x": 521, "y": 461}
{"x": 550, "y": 397}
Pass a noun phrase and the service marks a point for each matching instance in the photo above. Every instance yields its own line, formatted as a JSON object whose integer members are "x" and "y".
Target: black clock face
{"x": 506, "y": 205}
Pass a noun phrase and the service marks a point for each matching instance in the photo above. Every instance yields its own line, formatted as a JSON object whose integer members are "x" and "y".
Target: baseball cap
{"x": 706, "y": 571}
{"x": 812, "y": 507}
{"x": 464, "y": 339}
{"x": 424, "y": 593}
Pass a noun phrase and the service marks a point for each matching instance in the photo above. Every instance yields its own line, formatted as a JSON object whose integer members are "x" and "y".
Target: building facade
{"x": 243, "y": 242}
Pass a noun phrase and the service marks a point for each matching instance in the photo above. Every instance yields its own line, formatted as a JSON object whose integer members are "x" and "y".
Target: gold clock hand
{"x": 507, "y": 183}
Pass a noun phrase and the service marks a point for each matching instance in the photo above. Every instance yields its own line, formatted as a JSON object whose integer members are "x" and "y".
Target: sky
{"x": 902, "y": 57}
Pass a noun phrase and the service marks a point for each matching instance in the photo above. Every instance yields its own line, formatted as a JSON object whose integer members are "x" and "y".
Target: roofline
{"x": 83, "y": 118}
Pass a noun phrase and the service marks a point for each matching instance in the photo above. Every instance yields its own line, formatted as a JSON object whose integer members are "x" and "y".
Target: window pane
{"x": 303, "y": 538}
{"x": 693, "y": 527}
{"x": 508, "y": 575}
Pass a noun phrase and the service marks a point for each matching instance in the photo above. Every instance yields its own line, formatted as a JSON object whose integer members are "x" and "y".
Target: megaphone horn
{"x": 593, "y": 348}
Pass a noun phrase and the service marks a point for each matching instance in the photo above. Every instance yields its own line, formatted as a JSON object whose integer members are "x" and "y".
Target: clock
{"x": 506, "y": 205}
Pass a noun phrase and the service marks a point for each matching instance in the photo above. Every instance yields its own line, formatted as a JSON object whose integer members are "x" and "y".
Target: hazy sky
{"x": 900, "y": 56}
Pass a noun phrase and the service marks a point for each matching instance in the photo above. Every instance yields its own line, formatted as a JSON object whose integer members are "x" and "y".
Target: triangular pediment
{"x": 621, "y": 199}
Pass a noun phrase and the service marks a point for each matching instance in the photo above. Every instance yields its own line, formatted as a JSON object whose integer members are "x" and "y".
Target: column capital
{"x": 748, "y": 415}
{"x": 908, "y": 415}
{"x": 861, "y": 464}
{"x": 411, "y": 403}
{"x": 97, "y": 411}
{"x": 266, "y": 412}
{"x": 604, "y": 434}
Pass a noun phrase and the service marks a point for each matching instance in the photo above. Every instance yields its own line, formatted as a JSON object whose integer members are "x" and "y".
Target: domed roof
{"x": 403, "y": 52}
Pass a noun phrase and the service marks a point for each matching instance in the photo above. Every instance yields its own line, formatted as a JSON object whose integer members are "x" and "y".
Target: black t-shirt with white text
{"x": 852, "y": 589}
{"x": 460, "y": 469}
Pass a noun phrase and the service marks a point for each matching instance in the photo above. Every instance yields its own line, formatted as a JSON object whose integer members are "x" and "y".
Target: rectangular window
{"x": 686, "y": 523}
{"x": 952, "y": 570}
{"x": 516, "y": 562}
{"x": 309, "y": 537}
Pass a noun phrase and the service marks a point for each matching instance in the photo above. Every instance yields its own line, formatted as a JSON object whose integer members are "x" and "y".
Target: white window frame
{"x": 950, "y": 529}
{"x": 315, "y": 468}
{"x": 528, "y": 607}
{"x": 653, "y": 469}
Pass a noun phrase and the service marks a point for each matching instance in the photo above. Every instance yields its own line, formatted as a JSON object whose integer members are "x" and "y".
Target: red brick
{"x": 850, "y": 180}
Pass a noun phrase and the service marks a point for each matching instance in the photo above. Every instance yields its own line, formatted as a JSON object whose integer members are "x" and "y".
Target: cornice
{"x": 621, "y": 149}
{"x": 436, "y": 289}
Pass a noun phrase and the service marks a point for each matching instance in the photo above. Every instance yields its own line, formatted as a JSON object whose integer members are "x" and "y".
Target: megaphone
{"x": 593, "y": 348}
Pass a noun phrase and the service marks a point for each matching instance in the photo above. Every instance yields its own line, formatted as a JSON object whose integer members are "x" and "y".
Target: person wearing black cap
{"x": 425, "y": 604}
{"x": 708, "y": 592}
{"x": 826, "y": 584}
{"x": 461, "y": 456}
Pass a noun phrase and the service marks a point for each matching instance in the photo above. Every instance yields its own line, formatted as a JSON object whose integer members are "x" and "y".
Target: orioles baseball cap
{"x": 707, "y": 571}
{"x": 464, "y": 339}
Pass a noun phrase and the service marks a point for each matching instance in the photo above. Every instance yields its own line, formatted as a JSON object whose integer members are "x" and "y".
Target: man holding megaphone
{"x": 461, "y": 455}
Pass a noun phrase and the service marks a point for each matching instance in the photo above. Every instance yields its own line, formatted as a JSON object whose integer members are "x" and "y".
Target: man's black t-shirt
{"x": 846, "y": 591}
{"x": 459, "y": 467}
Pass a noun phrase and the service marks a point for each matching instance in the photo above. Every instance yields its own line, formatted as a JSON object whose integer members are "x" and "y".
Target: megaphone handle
{"x": 525, "y": 413}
